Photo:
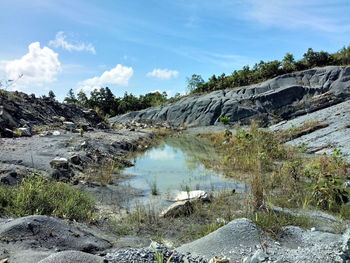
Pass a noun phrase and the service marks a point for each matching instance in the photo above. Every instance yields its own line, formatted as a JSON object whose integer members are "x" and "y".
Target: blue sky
{"x": 140, "y": 46}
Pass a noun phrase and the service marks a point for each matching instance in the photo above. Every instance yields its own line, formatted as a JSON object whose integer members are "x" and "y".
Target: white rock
{"x": 56, "y": 133}
{"x": 180, "y": 208}
{"x": 59, "y": 163}
{"x": 191, "y": 195}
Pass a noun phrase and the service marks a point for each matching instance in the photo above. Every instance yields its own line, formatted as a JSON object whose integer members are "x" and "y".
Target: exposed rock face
{"x": 18, "y": 109}
{"x": 283, "y": 97}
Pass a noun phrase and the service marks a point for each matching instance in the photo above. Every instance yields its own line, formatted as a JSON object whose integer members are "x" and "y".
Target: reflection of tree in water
{"x": 197, "y": 151}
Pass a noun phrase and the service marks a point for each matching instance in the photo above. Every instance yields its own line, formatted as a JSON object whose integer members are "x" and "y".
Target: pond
{"x": 175, "y": 164}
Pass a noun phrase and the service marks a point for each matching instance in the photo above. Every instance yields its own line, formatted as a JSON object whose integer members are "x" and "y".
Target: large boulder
{"x": 285, "y": 97}
{"x": 177, "y": 209}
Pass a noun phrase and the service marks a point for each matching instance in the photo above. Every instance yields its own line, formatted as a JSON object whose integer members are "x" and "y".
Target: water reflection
{"x": 176, "y": 164}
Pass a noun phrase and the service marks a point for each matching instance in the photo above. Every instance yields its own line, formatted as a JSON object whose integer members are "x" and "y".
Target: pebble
{"x": 147, "y": 255}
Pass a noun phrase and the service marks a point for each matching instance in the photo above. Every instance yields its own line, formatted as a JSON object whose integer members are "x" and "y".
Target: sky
{"x": 140, "y": 46}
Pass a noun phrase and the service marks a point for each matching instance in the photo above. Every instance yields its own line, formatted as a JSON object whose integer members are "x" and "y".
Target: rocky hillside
{"x": 281, "y": 98}
{"x": 18, "y": 109}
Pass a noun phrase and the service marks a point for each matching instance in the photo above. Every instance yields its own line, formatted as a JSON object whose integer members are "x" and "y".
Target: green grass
{"x": 272, "y": 222}
{"x": 39, "y": 196}
{"x": 144, "y": 220}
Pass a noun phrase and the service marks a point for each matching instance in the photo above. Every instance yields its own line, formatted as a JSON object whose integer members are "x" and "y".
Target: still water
{"x": 177, "y": 164}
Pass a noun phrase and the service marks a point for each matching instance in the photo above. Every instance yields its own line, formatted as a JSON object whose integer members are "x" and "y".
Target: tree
{"x": 51, "y": 95}
{"x": 195, "y": 82}
{"x": 83, "y": 99}
{"x": 317, "y": 59}
{"x": 288, "y": 63}
{"x": 343, "y": 56}
{"x": 70, "y": 98}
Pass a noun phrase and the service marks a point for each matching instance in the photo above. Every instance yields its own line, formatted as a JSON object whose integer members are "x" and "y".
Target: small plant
{"x": 225, "y": 120}
{"x": 159, "y": 256}
{"x": 154, "y": 188}
{"x": 328, "y": 193}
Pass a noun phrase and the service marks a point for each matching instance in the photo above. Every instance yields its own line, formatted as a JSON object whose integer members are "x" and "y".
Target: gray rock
{"x": 24, "y": 132}
{"x": 286, "y": 96}
{"x": 258, "y": 257}
{"x": 11, "y": 178}
{"x": 69, "y": 125}
{"x": 38, "y": 232}
{"x": 72, "y": 257}
{"x": 59, "y": 163}
{"x": 177, "y": 209}
{"x": 238, "y": 236}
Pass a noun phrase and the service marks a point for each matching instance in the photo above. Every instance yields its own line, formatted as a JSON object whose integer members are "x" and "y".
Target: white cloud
{"x": 38, "y": 66}
{"x": 163, "y": 74}
{"x": 119, "y": 75}
{"x": 61, "y": 42}
{"x": 161, "y": 155}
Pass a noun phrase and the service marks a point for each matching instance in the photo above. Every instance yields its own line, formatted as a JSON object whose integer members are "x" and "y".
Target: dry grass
{"x": 295, "y": 132}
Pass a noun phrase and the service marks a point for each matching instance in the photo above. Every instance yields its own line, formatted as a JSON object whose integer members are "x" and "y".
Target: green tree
{"x": 70, "y": 98}
{"x": 195, "y": 82}
{"x": 288, "y": 63}
{"x": 343, "y": 56}
{"x": 83, "y": 99}
{"x": 317, "y": 59}
{"x": 51, "y": 95}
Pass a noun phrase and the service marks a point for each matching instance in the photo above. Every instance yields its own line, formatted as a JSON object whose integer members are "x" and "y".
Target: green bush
{"x": 39, "y": 196}
{"x": 225, "y": 120}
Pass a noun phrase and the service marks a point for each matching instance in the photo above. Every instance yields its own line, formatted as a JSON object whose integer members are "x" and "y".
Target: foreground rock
{"x": 40, "y": 236}
{"x": 241, "y": 240}
{"x": 283, "y": 97}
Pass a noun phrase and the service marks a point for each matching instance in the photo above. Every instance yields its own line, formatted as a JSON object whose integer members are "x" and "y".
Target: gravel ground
{"x": 148, "y": 255}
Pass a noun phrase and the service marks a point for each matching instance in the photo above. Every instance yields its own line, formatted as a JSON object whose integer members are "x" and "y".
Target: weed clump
{"x": 39, "y": 196}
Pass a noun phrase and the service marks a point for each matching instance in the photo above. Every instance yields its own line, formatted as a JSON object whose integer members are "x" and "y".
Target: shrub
{"x": 224, "y": 120}
{"x": 39, "y": 196}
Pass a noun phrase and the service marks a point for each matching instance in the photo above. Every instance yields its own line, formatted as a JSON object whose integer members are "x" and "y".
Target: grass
{"x": 207, "y": 217}
{"x": 298, "y": 131}
{"x": 272, "y": 223}
{"x": 38, "y": 196}
{"x": 154, "y": 188}
{"x": 281, "y": 174}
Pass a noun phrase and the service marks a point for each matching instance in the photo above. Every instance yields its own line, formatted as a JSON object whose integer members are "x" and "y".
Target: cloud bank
{"x": 61, "y": 42}
{"x": 163, "y": 74}
{"x": 119, "y": 75}
{"x": 38, "y": 66}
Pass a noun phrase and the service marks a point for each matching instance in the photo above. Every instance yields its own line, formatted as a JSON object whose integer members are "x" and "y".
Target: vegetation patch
{"x": 37, "y": 195}
{"x": 144, "y": 220}
{"x": 272, "y": 222}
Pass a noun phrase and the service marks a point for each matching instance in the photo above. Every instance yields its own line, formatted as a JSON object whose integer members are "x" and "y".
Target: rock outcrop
{"x": 18, "y": 110}
{"x": 283, "y": 97}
